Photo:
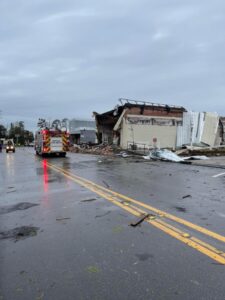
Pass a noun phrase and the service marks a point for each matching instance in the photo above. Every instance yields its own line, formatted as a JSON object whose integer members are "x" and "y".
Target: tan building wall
{"x": 144, "y": 133}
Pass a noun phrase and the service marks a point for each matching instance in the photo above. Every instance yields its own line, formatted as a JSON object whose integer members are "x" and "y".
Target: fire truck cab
{"x": 51, "y": 141}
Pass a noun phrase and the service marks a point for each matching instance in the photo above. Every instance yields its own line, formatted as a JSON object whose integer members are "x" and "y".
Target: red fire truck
{"x": 51, "y": 141}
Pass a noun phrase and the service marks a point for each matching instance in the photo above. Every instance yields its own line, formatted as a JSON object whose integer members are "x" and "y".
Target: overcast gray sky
{"x": 66, "y": 58}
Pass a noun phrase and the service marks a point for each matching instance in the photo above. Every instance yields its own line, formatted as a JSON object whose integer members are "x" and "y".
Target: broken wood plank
{"x": 140, "y": 220}
{"x": 61, "y": 219}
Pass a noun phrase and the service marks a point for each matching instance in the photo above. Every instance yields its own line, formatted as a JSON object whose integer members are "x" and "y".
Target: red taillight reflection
{"x": 45, "y": 175}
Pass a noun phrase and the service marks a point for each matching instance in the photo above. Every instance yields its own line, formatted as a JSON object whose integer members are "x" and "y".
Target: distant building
{"x": 138, "y": 124}
{"x": 82, "y": 131}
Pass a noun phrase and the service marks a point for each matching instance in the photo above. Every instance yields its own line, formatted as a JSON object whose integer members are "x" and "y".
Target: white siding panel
{"x": 199, "y": 129}
{"x": 210, "y": 128}
{"x": 190, "y": 119}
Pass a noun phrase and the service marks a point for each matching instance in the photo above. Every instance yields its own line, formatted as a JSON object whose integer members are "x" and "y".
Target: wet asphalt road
{"x": 81, "y": 245}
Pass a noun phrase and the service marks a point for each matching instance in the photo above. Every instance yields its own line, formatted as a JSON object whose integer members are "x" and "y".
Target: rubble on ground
{"x": 196, "y": 157}
{"x": 123, "y": 154}
{"x": 96, "y": 149}
{"x": 163, "y": 154}
{"x": 201, "y": 151}
{"x": 181, "y": 155}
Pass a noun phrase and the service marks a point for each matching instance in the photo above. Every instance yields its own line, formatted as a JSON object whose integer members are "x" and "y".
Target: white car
{"x": 10, "y": 146}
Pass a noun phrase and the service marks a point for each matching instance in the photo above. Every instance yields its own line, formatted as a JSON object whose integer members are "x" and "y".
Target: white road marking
{"x": 221, "y": 215}
{"x": 217, "y": 175}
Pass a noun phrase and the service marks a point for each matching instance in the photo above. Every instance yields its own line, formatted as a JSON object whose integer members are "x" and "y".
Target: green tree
{"x": 3, "y": 131}
{"x": 19, "y": 134}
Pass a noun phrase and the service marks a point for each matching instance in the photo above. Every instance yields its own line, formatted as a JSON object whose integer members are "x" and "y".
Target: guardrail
{"x": 138, "y": 147}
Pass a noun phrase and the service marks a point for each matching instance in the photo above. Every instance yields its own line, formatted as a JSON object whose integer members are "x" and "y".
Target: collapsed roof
{"x": 111, "y": 117}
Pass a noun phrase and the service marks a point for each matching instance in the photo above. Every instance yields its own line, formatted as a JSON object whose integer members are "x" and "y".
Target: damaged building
{"x": 138, "y": 124}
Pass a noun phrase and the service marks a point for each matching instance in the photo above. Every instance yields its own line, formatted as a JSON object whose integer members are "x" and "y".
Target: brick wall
{"x": 155, "y": 111}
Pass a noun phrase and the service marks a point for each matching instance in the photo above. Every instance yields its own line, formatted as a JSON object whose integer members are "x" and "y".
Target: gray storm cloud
{"x": 69, "y": 58}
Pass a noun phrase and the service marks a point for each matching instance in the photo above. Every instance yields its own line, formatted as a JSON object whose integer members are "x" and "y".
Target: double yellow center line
{"x": 157, "y": 218}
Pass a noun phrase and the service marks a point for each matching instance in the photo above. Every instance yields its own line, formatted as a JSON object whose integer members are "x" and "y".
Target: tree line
{"x": 17, "y": 132}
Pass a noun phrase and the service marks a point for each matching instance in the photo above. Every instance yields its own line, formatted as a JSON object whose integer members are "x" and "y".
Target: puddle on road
{"x": 19, "y": 233}
{"x": 18, "y": 206}
{"x": 52, "y": 177}
{"x": 40, "y": 171}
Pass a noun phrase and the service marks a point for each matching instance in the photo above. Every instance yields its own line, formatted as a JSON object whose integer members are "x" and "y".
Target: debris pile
{"x": 19, "y": 206}
{"x": 163, "y": 154}
{"x": 207, "y": 151}
{"x": 181, "y": 155}
{"x": 123, "y": 154}
{"x": 167, "y": 155}
{"x": 96, "y": 149}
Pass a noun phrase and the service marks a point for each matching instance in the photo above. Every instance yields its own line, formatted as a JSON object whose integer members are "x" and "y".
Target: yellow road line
{"x": 153, "y": 209}
{"x": 207, "y": 246}
{"x": 190, "y": 242}
{"x": 167, "y": 228}
{"x": 200, "y": 242}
